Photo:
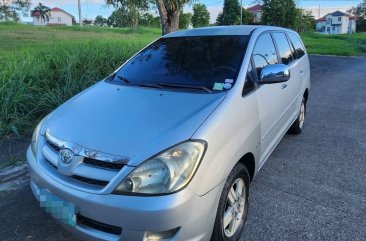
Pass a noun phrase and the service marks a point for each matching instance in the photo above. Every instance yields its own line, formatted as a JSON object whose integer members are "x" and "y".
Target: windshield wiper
{"x": 195, "y": 87}
{"x": 126, "y": 81}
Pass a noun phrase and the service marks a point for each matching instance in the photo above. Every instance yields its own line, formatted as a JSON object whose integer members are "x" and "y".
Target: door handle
{"x": 283, "y": 86}
{"x": 301, "y": 71}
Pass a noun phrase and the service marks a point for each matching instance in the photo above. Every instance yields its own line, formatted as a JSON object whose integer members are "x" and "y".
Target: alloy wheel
{"x": 234, "y": 207}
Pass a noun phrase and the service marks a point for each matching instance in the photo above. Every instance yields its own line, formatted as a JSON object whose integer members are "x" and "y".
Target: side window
{"x": 264, "y": 52}
{"x": 283, "y": 47}
{"x": 299, "y": 48}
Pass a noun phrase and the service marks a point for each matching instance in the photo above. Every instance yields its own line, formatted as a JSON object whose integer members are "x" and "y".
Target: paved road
{"x": 313, "y": 187}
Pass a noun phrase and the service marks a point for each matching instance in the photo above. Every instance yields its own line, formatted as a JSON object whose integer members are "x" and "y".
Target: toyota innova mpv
{"x": 166, "y": 147}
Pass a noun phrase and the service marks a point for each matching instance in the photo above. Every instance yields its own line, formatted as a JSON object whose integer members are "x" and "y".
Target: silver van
{"x": 165, "y": 148}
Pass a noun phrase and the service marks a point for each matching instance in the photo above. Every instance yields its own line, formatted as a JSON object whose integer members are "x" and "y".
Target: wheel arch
{"x": 306, "y": 95}
{"x": 248, "y": 160}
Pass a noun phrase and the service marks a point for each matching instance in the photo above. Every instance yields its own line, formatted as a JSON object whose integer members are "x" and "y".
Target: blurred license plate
{"x": 58, "y": 208}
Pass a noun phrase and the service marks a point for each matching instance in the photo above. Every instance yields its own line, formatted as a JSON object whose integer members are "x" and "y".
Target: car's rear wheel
{"x": 233, "y": 206}
{"x": 297, "y": 126}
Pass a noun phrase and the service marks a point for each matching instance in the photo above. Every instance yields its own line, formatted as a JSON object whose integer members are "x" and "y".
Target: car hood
{"x": 133, "y": 122}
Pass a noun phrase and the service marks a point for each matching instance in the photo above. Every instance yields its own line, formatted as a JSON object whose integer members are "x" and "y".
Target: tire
{"x": 238, "y": 179}
{"x": 297, "y": 126}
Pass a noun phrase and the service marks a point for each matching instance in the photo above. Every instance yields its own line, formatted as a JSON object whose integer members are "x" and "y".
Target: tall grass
{"x": 33, "y": 83}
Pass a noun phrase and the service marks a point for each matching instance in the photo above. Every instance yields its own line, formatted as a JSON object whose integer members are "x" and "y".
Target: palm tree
{"x": 42, "y": 12}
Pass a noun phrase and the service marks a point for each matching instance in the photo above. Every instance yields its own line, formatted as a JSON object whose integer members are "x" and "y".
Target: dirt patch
{"x": 13, "y": 150}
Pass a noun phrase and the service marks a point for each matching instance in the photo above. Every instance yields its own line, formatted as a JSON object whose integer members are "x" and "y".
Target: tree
{"x": 279, "y": 13}
{"x": 42, "y": 12}
{"x": 130, "y": 9}
{"x": 169, "y": 12}
{"x": 149, "y": 20}
{"x": 230, "y": 14}
{"x": 122, "y": 18}
{"x": 87, "y": 21}
{"x": 248, "y": 17}
{"x": 184, "y": 20}
{"x": 360, "y": 13}
{"x": 10, "y": 10}
{"x": 305, "y": 21}
{"x": 201, "y": 16}
{"x": 100, "y": 21}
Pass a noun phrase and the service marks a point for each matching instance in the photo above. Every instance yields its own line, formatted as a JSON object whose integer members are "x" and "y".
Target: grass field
{"x": 42, "y": 67}
{"x": 339, "y": 44}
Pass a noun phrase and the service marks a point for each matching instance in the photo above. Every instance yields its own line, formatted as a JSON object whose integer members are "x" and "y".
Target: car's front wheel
{"x": 233, "y": 206}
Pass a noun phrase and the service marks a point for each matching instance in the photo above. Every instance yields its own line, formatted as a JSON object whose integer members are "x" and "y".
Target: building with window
{"x": 256, "y": 10}
{"x": 336, "y": 23}
{"x": 58, "y": 17}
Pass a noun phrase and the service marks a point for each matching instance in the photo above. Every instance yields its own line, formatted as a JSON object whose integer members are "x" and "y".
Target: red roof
{"x": 352, "y": 17}
{"x": 321, "y": 19}
{"x": 56, "y": 9}
{"x": 255, "y": 8}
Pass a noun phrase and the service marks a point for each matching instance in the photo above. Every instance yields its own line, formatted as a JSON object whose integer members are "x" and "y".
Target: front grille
{"x": 54, "y": 147}
{"x": 90, "y": 181}
{"x": 81, "y": 172}
{"x": 103, "y": 164}
{"x": 98, "y": 225}
{"x": 51, "y": 164}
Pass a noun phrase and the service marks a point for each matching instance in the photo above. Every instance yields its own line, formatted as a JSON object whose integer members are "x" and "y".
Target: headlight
{"x": 165, "y": 173}
{"x": 35, "y": 137}
{"x": 34, "y": 143}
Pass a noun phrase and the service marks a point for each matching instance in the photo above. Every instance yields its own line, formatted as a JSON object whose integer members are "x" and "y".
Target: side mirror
{"x": 274, "y": 73}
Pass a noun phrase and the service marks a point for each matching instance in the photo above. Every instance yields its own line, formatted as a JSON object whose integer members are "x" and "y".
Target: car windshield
{"x": 210, "y": 63}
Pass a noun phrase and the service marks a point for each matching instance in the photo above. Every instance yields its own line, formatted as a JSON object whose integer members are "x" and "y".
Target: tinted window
{"x": 264, "y": 52}
{"x": 207, "y": 61}
{"x": 283, "y": 47}
{"x": 299, "y": 48}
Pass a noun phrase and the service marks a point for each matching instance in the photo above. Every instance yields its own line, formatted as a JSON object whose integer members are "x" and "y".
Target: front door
{"x": 271, "y": 98}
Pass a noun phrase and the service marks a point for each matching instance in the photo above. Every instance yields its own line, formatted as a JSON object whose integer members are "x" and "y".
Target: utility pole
{"x": 241, "y": 12}
{"x": 319, "y": 12}
{"x": 80, "y": 20}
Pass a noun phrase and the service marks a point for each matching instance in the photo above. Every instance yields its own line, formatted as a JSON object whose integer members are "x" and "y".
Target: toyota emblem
{"x": 66, "y": 156}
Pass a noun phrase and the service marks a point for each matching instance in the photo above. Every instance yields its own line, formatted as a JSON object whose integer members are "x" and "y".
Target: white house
{"x": 256, "y": 10}
{"x": 336, "y": 23}
{"x": 58, "y": 17}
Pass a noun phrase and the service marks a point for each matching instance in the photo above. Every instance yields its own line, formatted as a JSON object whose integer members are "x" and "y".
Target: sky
{"x": 92, "y": 8}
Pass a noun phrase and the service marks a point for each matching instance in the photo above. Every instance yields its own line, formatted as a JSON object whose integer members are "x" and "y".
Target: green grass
{"x": 17, "y": 37}
{"x": 42, "y": 67}
{"x": 338, "y": 44}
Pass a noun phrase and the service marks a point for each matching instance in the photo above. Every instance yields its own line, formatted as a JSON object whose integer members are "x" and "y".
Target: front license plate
{"x": 58, "y": 208}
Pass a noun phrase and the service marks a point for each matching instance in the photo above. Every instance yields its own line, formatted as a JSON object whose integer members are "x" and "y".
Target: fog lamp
{"x": 150, "y": 235}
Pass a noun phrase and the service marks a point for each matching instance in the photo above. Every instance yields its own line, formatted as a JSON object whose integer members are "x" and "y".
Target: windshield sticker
{"x": 218, "y": 86}
{"x": 229, "y": 81}
{"x": 227, "y": 86}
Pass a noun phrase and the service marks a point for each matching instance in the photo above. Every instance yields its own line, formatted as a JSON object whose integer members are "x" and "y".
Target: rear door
{"x": 293, "y": 85}
{"x": 271, "y": 98}
{"x": 302, "y": 63}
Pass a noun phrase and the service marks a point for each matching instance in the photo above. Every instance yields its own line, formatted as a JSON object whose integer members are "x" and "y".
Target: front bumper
{"x": 193, "y": 215}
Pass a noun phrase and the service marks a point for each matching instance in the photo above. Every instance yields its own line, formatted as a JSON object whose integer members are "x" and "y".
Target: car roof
{"x": 222, "y": 30}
